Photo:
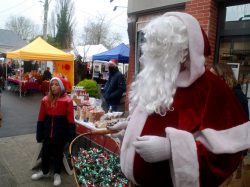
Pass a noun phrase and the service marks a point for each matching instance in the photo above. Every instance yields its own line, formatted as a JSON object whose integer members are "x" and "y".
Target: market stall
{"x": 40, "y": 50}
{"x": 89, "y": 114}
{"x": 120, "y": 53}
{"x": 94, "y": 144}
{"x": 26, "y": 85}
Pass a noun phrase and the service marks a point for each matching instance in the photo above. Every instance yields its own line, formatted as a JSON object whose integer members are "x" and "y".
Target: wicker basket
{"x": 96, "y": 139}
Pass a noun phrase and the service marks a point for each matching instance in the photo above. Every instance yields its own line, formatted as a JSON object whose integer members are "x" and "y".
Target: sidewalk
{"x": 16, "y": 154}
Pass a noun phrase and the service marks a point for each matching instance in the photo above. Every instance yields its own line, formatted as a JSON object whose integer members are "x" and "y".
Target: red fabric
{"x": 63, "y": 106}
{"x": 113, "y": 61}
{"x": 67, "y": 85}
{"x": 208, "y": 103}
{"x": 26, "y": 85}
{"x": 207, "y": 48}
{"x": 45, "y": 87}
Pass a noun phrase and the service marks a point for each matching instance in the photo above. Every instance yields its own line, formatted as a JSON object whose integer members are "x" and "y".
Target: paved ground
{"x": 19, "y": 113}
{"x": 17, "y": 142}
{"x": 16, "y": 154}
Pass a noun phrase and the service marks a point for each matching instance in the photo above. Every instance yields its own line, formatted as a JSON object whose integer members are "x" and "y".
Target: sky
{"x": 84, "y": 10}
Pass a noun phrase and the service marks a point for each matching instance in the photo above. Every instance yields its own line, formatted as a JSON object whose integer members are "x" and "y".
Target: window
{"x": 140, "y": 41}
{"x": 236, "y": 50}
{"x": 238, "y": 12}
{"x": 233, "y": 39}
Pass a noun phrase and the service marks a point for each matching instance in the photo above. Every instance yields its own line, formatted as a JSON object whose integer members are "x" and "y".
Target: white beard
{"x": 154, "y": 87}
{"x": 166, "y": 47}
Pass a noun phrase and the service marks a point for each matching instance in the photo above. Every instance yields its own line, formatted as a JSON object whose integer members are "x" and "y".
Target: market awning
{"x": 40, "y": 50}
{"x": 121, "y": 53}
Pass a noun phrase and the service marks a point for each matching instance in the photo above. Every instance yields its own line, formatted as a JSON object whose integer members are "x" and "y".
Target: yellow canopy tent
{"x": 42, "y": 51}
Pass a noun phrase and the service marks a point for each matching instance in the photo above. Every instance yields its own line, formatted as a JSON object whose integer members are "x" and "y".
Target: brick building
{"x": 226, "y": 22}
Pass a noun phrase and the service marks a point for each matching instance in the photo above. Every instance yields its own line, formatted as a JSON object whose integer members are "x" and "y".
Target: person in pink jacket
{"x": 184, "y": 128}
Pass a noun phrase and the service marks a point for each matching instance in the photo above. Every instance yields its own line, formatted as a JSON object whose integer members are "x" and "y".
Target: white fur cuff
{"x": 184, "y": 165}
{"x": 231, "y": 140}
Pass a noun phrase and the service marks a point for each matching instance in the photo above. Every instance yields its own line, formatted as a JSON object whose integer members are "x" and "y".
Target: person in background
{"x": 47, "y": 74}
{"x": 55, "y": 127}
{"x": 225, "y": 72}
{"x": 180, "y": 115}
{"x": 114, "y": 87}
{"x": 2, "y": 76}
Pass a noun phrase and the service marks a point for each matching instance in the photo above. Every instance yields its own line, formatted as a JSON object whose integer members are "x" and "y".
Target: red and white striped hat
{"x": 113, "y": 62}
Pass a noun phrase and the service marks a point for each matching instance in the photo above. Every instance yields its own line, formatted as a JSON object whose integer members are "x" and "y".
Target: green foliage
{"x": 52, "y": 41}
{"x": 91, "y": 87}
{"x": 64, "y": 24}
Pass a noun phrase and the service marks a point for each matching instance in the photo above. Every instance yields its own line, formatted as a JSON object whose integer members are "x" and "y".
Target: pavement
{"x": 16, "y": 155}
{"x": 19, "y": 113}
{"x": 18, "y": 145}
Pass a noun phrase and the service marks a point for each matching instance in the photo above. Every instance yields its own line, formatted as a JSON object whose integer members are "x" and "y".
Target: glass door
{"x": 237, "y": 50}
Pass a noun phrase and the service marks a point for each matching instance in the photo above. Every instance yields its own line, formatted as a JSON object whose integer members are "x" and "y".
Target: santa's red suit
{"x": 206, "y": 116}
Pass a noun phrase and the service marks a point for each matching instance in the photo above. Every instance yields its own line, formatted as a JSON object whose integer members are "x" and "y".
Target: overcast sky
{"x": 84, "y": 9}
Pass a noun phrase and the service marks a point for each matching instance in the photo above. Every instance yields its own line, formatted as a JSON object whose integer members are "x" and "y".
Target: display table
{"x": 84, "y": 127}
{"x": 26, "y": 85}
{"x": 108, "y": 143}
{"x": 45, "y": 87}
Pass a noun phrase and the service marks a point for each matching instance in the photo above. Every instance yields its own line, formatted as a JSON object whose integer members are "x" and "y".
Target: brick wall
{"x": 205, "y": 11}
{"x": 131, "y": 72}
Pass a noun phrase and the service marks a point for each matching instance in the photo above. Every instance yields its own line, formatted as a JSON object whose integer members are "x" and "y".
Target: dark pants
{"x": 55, "y": 150}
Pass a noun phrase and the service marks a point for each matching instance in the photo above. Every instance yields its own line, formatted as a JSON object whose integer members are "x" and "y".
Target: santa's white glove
{"x": 121, "y": 127}
{"x": 153, "y": 148}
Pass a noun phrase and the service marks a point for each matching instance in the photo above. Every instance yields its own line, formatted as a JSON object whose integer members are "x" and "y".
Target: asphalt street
{"x": 19, "y": 113}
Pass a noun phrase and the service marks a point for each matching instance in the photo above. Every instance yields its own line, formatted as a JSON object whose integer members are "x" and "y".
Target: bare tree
{"x": 22, "y": 26}
{"x": 97, "y": 31}
{"x": 52, "y": 25}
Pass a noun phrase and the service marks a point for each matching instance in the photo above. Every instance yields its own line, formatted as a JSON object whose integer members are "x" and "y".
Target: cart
{"x": 95, "y": 160}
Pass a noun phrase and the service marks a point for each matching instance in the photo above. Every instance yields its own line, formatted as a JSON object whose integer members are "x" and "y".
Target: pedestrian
{"x": 114, "y": 87}
{"x": 225, "y": 72}
{"x": 46, "y": 74}
{"x": 55, "y": 127}
{"x": 179, "y": 112}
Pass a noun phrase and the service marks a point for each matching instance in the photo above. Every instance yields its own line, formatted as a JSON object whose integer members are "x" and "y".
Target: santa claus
{"x": 183, "y": 119}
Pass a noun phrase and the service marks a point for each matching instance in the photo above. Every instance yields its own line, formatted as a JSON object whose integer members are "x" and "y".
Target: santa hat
{"x": 60, "y": 82}
{"x": 113, "y": 62}
{"x": 198, "y": 44}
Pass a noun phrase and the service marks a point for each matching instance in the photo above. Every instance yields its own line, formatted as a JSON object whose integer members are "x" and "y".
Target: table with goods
{"x": 94, "y": 153}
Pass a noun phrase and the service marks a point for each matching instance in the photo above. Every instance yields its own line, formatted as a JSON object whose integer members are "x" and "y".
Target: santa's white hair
{"x": 166, "y": 47}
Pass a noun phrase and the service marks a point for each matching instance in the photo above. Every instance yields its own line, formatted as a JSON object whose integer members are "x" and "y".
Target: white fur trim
{"x": 59, "y": 82}
{"x": 196, "y": 50}
{"x": 134, "y": 129}
{"x": 184, "y": 164}
{"x": 225, "y": 141}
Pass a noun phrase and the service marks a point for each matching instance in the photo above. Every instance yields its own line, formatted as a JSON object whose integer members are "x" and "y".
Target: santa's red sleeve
{"x": 201, "y": 156}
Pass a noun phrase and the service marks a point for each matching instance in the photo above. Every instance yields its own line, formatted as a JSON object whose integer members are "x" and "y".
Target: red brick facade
{"x": 205, "y": 11}
{"x": 131, "y": 72}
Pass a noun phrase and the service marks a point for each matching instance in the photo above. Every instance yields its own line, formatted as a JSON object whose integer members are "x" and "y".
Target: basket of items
{"x": 95, "y": 160}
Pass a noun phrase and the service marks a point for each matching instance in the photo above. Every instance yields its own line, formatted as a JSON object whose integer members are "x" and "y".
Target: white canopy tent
{"x": 87, "y": 51}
